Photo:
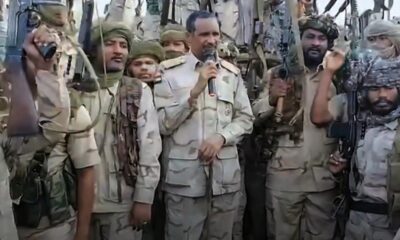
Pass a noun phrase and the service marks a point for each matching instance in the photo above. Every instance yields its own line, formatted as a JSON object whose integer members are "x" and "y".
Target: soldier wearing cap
{"x": 299, "y": 185}
{"x": 173, "y": 38}
{"x": 374, "y": 190}
{"x": 127, "y": 135}
{"x": 143, "y": 61}
{"x": 143, "y": 64}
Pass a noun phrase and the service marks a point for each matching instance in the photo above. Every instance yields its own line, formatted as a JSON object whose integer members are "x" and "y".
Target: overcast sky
{"x": 363, "y": 5}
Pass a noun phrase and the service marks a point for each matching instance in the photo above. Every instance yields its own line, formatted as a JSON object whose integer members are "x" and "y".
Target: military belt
{"x": 367, "y": 207}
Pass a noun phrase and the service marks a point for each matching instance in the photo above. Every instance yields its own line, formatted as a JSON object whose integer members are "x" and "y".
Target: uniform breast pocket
{"x": 289, "y": 155}
{"x": 225, "y": 105}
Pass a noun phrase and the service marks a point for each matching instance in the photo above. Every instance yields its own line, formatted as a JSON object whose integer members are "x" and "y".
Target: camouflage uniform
{"x": 371, "y": 161}
{"x": 53, "y": 100}
{"x": 114, "y": 197}
{"x": 300, "y": 187}
{"x": 80, "y": 149}
{"x": 298, "y": 181}
{"x": 185, "y": 178}
{"x": 229, "y": 52}
{"x": 154, "y": 230}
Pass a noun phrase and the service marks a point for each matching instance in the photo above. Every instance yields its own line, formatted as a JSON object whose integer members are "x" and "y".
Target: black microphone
{"x": 209, "y": 56}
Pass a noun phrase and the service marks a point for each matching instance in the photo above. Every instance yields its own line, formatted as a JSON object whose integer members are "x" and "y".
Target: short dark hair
{"x": 191, "y": 20}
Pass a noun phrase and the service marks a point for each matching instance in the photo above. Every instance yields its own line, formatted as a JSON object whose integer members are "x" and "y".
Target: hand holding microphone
{"x": 207, "y": 74}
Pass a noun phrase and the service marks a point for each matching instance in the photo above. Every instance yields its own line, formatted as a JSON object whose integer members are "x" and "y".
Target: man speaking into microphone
{"x": 201, "y": 125}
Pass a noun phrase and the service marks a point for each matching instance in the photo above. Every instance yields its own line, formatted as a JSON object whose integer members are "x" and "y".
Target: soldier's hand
{"x": 206, "y": 72}
{"x": 33, "y": 54}
{"x": 45, "y": 35}
{"x": 210, "y": 147}
{"x": 336, "y": 163}
{"x": 278, "y": 88}
{"x": 334, "y": 60}
{"x": 140, "y": 215}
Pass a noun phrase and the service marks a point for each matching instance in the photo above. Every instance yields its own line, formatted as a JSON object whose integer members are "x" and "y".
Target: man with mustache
{"x": 127, "y": 136}
{"x": 201, "y": 129}
{"x": 299, "y": 186}
{"x": 173, "y": 38}
{"x": 375, "y": 155}
{"x": 143, "y": 61}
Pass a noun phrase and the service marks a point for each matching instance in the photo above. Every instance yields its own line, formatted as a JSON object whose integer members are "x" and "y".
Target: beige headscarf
{"x": 389, "y": 29}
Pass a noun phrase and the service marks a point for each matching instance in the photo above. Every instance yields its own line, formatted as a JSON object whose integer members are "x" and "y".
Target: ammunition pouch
{"x": 45, "y": 194}
{"x": 30, "y": 209}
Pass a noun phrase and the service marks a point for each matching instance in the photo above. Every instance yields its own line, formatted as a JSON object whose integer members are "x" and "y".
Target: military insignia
{"x": 225, "y": 79}
{"x": 230, "y": 67}
{"x": 228, "y": 111}
{"x": 171, "y": 63}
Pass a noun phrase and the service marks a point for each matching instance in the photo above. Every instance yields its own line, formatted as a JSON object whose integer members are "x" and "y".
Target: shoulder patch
{"x": 171, "y": 63}
{"x": 230, "y": 67}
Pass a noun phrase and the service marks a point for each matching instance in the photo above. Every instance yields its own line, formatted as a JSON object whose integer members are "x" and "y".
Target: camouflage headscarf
{"x": 174, "y": 32}
{"x": 381, "y": 72}
{"x": 48, "y": 15}
{"x": 151, "y": 48}
{"x": 110, "y": 30}
{"x": 391, "y": 31}
{"x": 322, "y": 23}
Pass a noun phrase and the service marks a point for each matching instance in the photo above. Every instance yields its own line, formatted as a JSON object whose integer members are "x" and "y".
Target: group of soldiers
{"x": 170, "y": 147}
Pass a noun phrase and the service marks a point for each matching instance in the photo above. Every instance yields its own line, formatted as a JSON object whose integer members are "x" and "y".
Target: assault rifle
{"x": 284, "y": 52}
{"x": 83, "y": 80}
{"x": 23, "y": 18}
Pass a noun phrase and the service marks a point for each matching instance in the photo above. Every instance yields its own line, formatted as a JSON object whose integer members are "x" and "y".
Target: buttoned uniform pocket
{"x": 288, "y": 156}
{"x": 225, "y": 105}
{"x": 230, "y": 167}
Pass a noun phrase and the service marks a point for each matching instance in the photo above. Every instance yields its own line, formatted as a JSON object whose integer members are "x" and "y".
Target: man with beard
{"x": 300, "y": 187}
{"x": 201, "y": 129}
{"x": 127, "y": 136}
{"x": 375, "y": 150}
{"x": 174, "y": 40}
{"x": 143, "y": 61}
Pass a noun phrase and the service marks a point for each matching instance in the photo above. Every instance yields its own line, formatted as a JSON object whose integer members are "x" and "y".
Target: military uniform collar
{"x": 196, "y": 63}
{"x": 393, "y": 124}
